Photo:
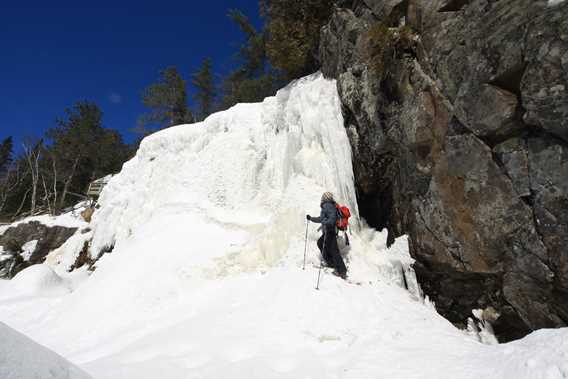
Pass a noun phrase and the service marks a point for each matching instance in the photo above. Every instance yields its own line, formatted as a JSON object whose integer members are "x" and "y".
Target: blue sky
{"x": 58, "y": 52}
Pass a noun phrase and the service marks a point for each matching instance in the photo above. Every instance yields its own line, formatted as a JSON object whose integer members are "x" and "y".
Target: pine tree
{"x": 83, "y": 150}
{"x": 167, "y": 100}
{"x": 7, "y": 185}
{"x": 5, "y": 155}
{"x": 253, "y": 80}
{"x": 253, "y": 52}
{"x": 204, "y": 83}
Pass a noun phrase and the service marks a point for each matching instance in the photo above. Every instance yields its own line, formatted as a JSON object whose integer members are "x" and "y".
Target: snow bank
{"x": 542, "y": 354}
{"x": 22, "y": 358}
{"x": 39, "y": 280}
{"x": 554, "y": 2}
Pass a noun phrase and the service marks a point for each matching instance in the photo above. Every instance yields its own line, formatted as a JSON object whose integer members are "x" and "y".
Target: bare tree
{"x": 54, "y": 173}
{"x": 12, "y": 180}
{"x": 67, "y": 183}
{"x": 32, "y": 154}
{"x": 49, "y": 182}
{"x": 21, "y": 207}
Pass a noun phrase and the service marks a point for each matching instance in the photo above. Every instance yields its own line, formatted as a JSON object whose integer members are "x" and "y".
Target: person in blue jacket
{"x": 327, "y": 243}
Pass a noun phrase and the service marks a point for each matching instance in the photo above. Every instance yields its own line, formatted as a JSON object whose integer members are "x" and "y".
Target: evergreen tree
{"x": 204, "y": 83}
{"x": 6, "y": 184}
{"x": 83, "y": 150}
{"x": 52, "y": 171}
{"x": 5, "y": 155}
{"x": 293, "y": 28}
{"x": 253, "y": 80}
{"x": 252, "y": 53}
{"x": 167, "y": 100}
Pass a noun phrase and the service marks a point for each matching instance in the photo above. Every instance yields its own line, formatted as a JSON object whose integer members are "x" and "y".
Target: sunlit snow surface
{"x": 206, "y": 280}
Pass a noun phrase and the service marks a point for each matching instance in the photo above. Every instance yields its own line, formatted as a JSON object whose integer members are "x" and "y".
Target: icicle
{"x": 485, "y": 333}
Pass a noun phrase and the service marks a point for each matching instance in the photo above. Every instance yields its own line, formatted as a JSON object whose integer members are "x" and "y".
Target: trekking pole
{"x": 321, "y": 260}
{"x": 305, "y": 245}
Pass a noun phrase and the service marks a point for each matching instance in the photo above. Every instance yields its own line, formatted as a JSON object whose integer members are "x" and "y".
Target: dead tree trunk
{"x": 12, "y": 181}
{"x": 67, "y": 183}
{"x": 32, "y": 157}
{"x": 22, "y": 204}
{"x": 50, "y": 192}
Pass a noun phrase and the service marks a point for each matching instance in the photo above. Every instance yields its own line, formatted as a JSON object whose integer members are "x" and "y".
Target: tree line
{"x": 283, "y": 49}
{"x": 54, "y": 171}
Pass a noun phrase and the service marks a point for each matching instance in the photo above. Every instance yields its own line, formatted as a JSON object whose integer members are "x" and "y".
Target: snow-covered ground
{"x": 22, "y": 358}
{"x": 206, "y": 226}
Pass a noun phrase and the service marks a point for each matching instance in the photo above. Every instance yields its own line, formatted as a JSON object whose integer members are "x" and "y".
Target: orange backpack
{"x": 343, "y": 214}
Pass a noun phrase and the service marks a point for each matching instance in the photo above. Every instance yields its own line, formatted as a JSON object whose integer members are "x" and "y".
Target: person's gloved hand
{"x": 308, "y": 217}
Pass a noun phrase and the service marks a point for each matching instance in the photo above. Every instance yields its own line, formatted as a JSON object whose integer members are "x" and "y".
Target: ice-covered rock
{"x": 30, "y": 240}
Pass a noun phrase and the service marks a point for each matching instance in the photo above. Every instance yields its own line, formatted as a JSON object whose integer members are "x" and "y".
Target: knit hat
{"x": 327, "y": 196}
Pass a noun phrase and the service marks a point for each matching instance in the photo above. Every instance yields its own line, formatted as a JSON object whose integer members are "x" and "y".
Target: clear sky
{"x": 55, "y": 53}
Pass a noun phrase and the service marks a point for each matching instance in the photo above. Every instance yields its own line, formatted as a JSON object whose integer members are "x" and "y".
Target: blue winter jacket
{"x": 328, "y": 214}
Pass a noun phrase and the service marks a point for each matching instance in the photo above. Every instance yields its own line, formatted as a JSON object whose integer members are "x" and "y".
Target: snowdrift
{"x": 203, "y": 241}
{"x": 21, "y": 358}
{"x": 39, "y": 280}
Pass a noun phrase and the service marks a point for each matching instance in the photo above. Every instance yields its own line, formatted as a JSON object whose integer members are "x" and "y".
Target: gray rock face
{"x": 492, "y": 113}
{"x": 462, "y": 145}
{"x": 12, "y": 240}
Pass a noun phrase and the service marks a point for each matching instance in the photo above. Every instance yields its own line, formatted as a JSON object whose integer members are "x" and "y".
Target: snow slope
{"x": 22, "y": 358}
{"x": 206, "y": 226}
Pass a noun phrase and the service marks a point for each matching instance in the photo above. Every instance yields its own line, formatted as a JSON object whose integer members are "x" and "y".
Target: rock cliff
{"x": 457, "y": 112}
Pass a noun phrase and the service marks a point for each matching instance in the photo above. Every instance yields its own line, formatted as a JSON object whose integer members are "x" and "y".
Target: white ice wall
{"x": 262, "y": 165}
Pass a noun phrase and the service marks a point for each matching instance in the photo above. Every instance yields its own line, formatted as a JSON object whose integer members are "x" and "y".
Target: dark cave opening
{"x": 372, "y": 210}
{"x": 376, "y": 209}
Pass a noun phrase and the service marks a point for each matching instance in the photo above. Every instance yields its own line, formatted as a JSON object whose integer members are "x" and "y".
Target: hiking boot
{"x": 342, "y": 276}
